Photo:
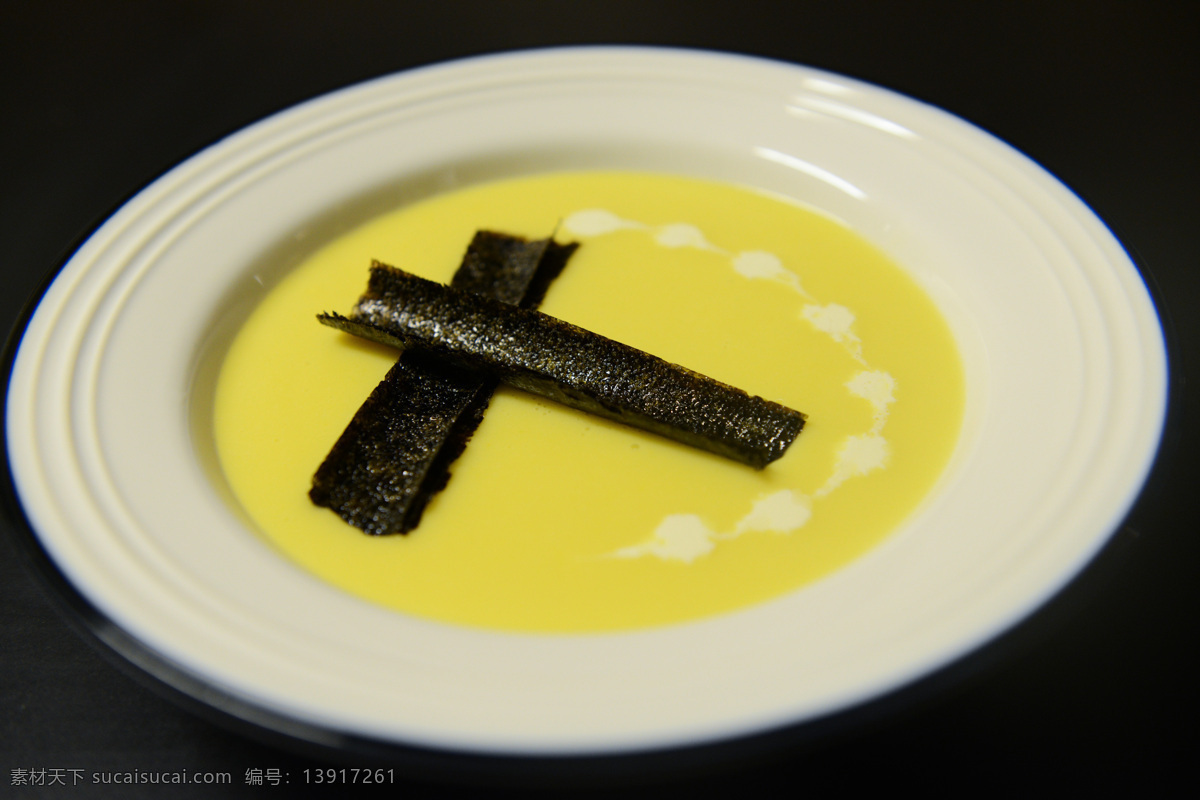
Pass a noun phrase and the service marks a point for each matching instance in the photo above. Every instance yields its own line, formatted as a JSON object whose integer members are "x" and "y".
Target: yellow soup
{"x": 557, "y": 521}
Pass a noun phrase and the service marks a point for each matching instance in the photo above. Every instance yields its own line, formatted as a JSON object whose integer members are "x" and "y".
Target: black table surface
{"x": 1096, "y": 689}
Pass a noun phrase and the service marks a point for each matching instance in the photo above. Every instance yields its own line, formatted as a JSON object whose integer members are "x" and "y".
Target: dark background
{"x": 1097, "y": 689}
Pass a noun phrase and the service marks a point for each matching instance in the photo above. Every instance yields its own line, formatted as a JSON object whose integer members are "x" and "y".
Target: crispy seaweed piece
{"x": 552, "y": 358}
{"x": 397, "y": 450}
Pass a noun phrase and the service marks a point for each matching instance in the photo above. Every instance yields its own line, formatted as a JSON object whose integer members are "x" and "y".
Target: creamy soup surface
{"x": 557, "y": 521}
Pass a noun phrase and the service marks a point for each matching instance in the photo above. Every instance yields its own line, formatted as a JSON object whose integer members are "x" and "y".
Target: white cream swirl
{"x": 685, "y": 537}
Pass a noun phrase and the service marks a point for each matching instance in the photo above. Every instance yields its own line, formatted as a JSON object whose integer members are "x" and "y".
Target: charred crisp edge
{"x": 395, "y": 454}
{"x": 560, "y": 361}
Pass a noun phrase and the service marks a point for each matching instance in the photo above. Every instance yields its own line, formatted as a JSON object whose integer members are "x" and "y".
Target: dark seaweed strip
{"x": 555, "y": 359}
{"x": 397, "y": 450}
{"x": 510, "y": 269}
{"x": 382, "y": 471}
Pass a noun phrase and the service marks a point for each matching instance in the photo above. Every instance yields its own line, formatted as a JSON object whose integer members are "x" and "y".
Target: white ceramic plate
{"x": 113, "y": 461}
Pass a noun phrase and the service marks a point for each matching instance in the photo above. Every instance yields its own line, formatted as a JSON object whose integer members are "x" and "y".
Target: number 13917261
{"x": 349, "y": 775}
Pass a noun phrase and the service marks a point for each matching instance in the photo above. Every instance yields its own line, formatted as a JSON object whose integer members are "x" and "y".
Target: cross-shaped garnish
{"x": 466, "y": 335}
